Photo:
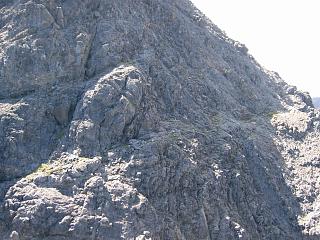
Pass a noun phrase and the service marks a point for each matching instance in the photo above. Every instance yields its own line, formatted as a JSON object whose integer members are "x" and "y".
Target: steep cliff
{"x": 124, "y": 119}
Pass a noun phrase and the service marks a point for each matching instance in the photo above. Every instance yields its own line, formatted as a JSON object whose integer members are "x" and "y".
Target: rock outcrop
{"x": 126, "y": 119}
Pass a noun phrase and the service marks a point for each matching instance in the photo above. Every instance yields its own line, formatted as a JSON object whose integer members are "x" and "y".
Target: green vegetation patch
{"x": 271, "y": 114}
{"x": 45, "y": 169}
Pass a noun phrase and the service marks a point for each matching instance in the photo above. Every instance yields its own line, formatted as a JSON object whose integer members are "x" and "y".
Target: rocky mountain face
{"x": 124, "y": 119}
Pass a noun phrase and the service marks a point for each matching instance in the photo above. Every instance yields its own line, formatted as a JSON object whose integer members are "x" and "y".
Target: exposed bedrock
{"x": 143, "y": 120}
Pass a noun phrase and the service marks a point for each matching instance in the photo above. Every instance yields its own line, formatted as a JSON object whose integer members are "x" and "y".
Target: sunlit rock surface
{"x": 124, "y": 119}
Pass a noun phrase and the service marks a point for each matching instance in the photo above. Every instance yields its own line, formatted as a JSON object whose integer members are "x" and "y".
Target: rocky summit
{"x": 141, "y": 119}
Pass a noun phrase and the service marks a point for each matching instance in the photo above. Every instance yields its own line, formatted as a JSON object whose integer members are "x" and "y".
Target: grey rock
{"x": 14, "y": 236}
{"x": 110, "y": 111}
{"x": 143, "y": 120}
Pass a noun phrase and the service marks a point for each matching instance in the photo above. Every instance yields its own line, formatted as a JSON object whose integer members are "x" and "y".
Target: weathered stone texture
{"x": 124, "y": 119}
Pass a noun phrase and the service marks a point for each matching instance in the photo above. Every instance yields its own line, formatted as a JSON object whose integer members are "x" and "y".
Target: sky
{"x": 282, "y": 35}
